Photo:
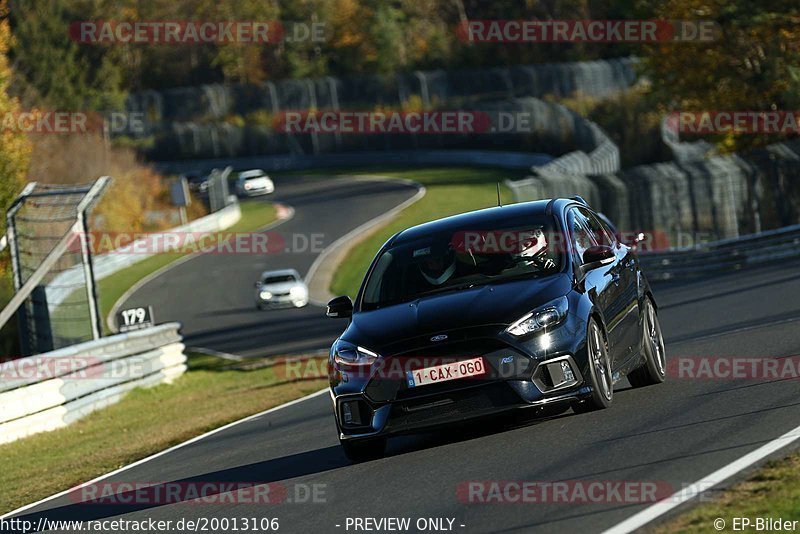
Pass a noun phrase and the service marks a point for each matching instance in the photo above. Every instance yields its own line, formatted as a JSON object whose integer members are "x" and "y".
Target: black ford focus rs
{"x": 535, "y": 305}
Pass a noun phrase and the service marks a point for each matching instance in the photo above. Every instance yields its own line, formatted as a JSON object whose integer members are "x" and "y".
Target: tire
{"x": 654, "y": 368}
{"x": 364, "y": 449}
{"x": 600, "y": 374}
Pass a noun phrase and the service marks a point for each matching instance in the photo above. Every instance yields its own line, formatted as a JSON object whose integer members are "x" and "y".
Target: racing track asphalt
{"x": 213, "y": 297}
{"x": 673, "y": 433}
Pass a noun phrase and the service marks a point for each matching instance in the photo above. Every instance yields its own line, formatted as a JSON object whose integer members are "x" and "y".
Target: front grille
{"x": 392, "y": 384}
{"x": 455, "y": 405}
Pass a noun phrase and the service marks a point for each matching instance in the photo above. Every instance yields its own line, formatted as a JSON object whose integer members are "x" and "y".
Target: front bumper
{"x": 282, "y": 301}
{"x": 257, "y": 191}
{"x": 458, "y": 407}
{"x": 535, "y": 373}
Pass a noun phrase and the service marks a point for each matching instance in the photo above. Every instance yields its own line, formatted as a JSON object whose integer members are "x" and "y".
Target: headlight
{"x": 353, "y": 356}
{"x": 298, "y": 292}
{"x": 265, "y": 295}
{"x": 545, "y": 316}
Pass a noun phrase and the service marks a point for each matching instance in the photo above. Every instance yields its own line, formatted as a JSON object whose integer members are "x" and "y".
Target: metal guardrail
{"x": 284, "y": 162}
{"x": 51, "y": 390}
{"x": 110, "y": 263}
{"x": 724, "y": 255}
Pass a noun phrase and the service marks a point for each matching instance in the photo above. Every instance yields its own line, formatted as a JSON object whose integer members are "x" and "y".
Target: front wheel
{"x": 600, "y": 375}
{"x": 654, "y": 369}
{"x": 364, "y": 449}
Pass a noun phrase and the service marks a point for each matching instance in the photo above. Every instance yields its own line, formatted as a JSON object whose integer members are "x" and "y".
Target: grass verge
{"x": 146, "y": 421}
{"x": 771, "y": 492}
{"x": 255, "y": 215}
{"x": 450, "y": 190}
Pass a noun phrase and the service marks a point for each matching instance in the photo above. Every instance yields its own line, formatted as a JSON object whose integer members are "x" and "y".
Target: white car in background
{"x": 283, "y": 288}
{"x": 253, "y": 183}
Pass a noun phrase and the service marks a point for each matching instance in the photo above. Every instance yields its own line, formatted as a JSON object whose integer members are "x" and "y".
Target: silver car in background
{"x": 283, "y": 288}
{"x": 254, "y": 183}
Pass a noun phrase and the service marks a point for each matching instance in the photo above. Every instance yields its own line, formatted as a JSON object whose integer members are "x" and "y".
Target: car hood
{"x": 501, "y": 303}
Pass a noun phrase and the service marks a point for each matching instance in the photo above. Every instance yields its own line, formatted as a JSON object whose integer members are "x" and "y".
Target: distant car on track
{"x": 254, "y": 183}
{"x": 534, "y": 305}
{"x": 283, "y": 288}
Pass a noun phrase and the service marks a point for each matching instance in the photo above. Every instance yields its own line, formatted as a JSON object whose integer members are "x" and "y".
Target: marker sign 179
{"x": 134, "y": 319}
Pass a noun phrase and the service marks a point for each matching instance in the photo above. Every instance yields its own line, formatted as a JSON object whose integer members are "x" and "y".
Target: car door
{"x": 627, "y": 286}
{"x": 602, "y": 282}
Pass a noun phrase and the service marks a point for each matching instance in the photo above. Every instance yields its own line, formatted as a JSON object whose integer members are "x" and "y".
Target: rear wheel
{"x": 599, "y": 372}
{"x": 364, "y": 449}
{"x": 654, "y": 369}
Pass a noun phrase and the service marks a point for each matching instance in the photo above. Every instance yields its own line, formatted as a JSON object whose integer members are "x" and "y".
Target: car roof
{"x": 280, "y": 272}
{"x": 252, "y": 173}
{"x": 474, "y": 218}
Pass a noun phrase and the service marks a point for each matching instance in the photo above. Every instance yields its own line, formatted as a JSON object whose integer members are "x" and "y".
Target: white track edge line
{"x": 655, "y": 511}
{"x": 165, "y": 451}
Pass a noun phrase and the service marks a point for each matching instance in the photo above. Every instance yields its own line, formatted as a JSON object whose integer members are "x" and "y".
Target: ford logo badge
{"x": 440, "y": 337}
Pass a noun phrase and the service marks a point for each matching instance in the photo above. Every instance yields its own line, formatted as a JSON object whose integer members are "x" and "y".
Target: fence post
{"x": 88, "y": 272}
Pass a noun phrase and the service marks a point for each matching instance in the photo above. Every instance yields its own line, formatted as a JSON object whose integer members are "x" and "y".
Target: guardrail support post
{"x": 88, "y": 272}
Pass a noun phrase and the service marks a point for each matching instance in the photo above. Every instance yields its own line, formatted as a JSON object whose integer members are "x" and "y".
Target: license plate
{"x": 445, "y": 372}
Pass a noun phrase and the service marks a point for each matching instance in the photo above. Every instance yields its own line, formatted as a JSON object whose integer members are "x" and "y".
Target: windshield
{"x": 279, "y": 279}
{"x": 251, "y": 175}
{"x": 438, "y": 263}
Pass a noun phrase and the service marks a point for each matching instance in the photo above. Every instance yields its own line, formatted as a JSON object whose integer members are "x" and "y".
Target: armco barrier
{"x": 724, "y": 255}
{"x": 720, "y": 197}
{"x": 51, "y": 390}
{"x": 437, "y": 87}
{"x": 538, "y": 126}
{"x": 287, "y": 162}
{"x": 108, "y": 264}
{"x": 111, "y": 263}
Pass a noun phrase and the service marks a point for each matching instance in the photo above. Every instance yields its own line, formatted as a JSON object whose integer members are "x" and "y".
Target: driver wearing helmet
{"x": 438, "y": 269}
{"x": 533, "y": 249}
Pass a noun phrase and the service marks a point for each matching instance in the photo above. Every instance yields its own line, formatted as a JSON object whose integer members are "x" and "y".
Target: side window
{"x": 601, "y": 233}
{"x": 580, "y": 235}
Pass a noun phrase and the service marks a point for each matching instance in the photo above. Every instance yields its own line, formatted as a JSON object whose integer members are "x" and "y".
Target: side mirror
{"x": 594, "y": 257}
{"x": 340, "y": 307}
{"x": 599, "y": 254}
{"x": 257, "y": 285}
